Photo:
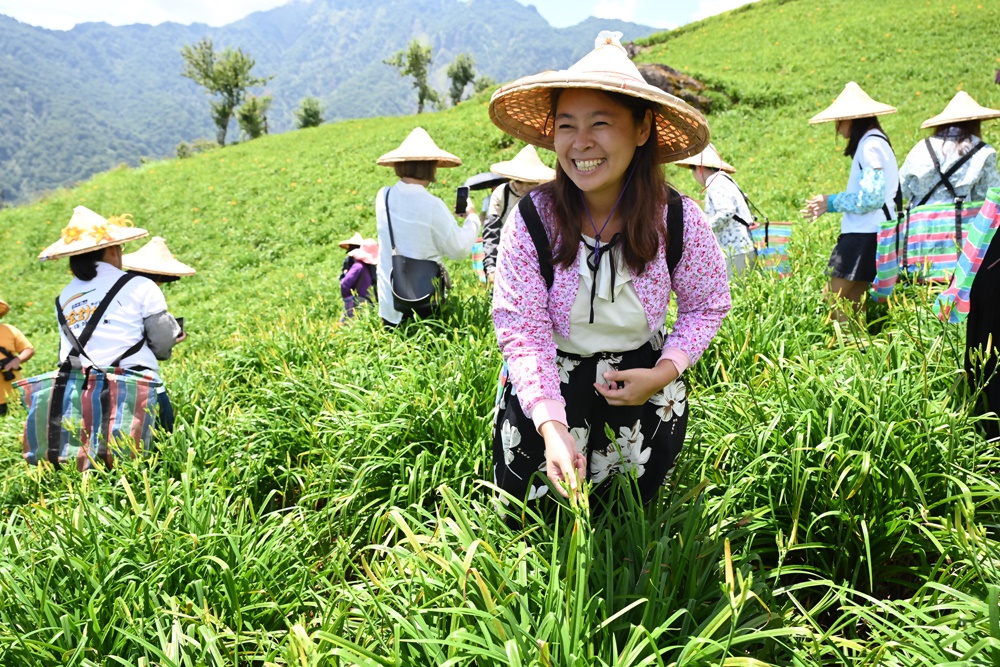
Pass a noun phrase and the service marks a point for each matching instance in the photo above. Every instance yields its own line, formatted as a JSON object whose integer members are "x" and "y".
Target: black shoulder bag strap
{"x": 946, "y": 181}
{"x": 675, "y": 230}
{"x": 77, "y": 348}
{"x": 388, "y": 219}
{"x": 538, "y": 236}
{"x": 897, "y": 198}
{"x": 504, "y": 198}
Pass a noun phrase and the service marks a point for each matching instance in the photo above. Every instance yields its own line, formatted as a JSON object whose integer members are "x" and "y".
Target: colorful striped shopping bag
{"x": 771, "y": 240}
{"x": 952, "y": 305}
{"x": 478, "y": 257}
{"x": 87, "y": 415}
{"x": 888, "y": 260}
{"x": 932, "y": 242}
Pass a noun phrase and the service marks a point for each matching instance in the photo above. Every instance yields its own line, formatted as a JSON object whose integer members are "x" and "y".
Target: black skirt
{"x": 647, "y": 438}
{"x": 853, "y": 258}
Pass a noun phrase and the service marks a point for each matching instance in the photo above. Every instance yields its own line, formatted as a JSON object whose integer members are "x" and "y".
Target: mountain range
{"x": 87, "y": 99}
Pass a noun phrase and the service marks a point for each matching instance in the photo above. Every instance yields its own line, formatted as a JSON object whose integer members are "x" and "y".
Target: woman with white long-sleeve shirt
{"x": 423, "y": 226}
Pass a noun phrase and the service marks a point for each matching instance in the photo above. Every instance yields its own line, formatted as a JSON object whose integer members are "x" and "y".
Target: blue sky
{"x": 64, "y": 14}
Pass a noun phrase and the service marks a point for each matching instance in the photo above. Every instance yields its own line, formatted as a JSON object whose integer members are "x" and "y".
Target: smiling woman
{"x": 594, "y": 384}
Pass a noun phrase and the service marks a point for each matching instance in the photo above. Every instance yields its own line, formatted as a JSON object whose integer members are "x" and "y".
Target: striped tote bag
{"x": 952, "y": 305}
{"x": 933, "y": 241}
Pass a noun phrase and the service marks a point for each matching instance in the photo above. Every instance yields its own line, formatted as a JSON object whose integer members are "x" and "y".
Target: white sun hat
{"x": 850, "y": 104}
{"x": 155, "y": 258}
{"x": 523, "y": 108}
{"x": 354, "y": 240}
{"x": 89, "y": 231}
{"x": 419, "y": 147}
{"x": 961, "y": 108}
{"x": 708, "y": 158}
{"x": 526, "y": 166}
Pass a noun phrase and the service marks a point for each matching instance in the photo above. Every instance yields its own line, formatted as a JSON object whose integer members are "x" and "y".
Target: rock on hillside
{"x": 677, "y": 83}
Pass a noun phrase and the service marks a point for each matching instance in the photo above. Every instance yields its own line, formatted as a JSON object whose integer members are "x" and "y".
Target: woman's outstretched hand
{"x": 815, "y": 207}
{"x": 563, "y": 463}
{"x": 637, "y": 385}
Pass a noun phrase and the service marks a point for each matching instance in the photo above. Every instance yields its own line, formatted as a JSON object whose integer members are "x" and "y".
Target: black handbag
{"x": 417, "y": 284}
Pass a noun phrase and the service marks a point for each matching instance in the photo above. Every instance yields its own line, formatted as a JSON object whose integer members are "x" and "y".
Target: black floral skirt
{"x": 647, "y": 438}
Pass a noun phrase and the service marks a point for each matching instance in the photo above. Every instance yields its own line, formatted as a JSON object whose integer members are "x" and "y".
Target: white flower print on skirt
{"x": 511, "y": 438}
{"x": 672, "y": 400}
{"x": 624, "y": 454}
{"x": 565, "y": 366}
{"x": 609, "y": 363}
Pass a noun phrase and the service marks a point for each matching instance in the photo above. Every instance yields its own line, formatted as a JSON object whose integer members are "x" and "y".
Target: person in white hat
{"x": 137, "y": 331}
{"x": 870, "y": 197}
{"x": 726, "y": 207}
{"x": 155, "y": 261}
{"x": 584, "y": 276}
{"x": 955, "y": 150}
{"x": 356, "y": 283}
{"x": 422, "y": 224}
{"x": 525, "y": 171}
{"x": 15, "y": 350}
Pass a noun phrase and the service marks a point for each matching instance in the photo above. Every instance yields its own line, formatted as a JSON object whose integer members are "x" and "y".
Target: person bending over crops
{"x": 422, "y": 226}
{"x": 356, "y": 283}
{"x": 525, "y": 171}
{"x": 956, "y": 147}
{"x": 15, "y": 349}
{"x": 727, "y": 209}
{"x": 136, "y": 331}
{"x": 869, "y": 199}
{"x": 155, "y": 262}
{"x": 585, "y": 269}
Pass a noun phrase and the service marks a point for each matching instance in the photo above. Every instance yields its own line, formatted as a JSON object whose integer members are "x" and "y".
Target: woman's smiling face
{"x": 595, "y": 139}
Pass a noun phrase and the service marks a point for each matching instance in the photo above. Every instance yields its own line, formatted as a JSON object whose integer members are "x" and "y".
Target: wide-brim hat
{"x": 367, "y": 253}
{"x": 961, "y": 108}
{"x": 523, "y": 110}
{"x": 708, "y": 158}
{"x": 354, "y": 240}
{"x": 88, "y": 231}
{"x": 850, "y": 104}
{"x": 4, "y": 308}
{"x": 526, "y": 166}
{"x": 156, "y": 258}
{"x": 419, "y": 147}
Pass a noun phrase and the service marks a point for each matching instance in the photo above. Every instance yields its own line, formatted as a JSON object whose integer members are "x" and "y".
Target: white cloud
{"x": 708, "y": 8}
{"x": 623, "y": 10}
{"x": 64, "y": 14}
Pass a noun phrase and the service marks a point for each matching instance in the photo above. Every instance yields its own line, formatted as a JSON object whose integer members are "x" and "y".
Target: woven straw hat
{"x": 354, "y": 240}
{"x": 961, "y": 108}
{"x": 155, "y": 258}
{"x": 419, "y": 147}
{"x": 4, "y": 308}
{"x": 89, "y": 231}
{"x": 367, "y": 253}
{"x": 851, "y": 103}
{"x": 526, "y": 166}
{"x": 708, "y": 158}
{"x": 522, "y": 108}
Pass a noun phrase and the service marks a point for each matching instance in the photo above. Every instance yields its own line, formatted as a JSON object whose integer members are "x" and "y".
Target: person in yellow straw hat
{"x": 525, "y": 171}
{"x": 414, "y": 223}
{"x": 136, "y": 331}
{"x": 15, "y": 350}
{"x": 726, "y": 207}
{"x": 955, "y": 150}
{"x": 870, "y": 198}
{"x": 585, "y": 270}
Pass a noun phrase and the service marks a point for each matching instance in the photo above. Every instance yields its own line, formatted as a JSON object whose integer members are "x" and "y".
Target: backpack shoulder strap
{"x": 946, "y": 176}
{"x": 675, "y": 230}
{"x": 388, "y": 219}
{"x": 504, "y": 198}
{"x": 77, "y": 345}
{"x": 750, "y": 206}
{"x": 897, "y": 199}
{"x": 538, "y": 236}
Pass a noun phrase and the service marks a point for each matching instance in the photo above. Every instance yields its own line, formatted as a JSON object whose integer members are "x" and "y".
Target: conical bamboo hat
{"x": 155, "y": 258}
{"x": 526, "y": 166}
{"x": 961, "y": 108}
{"x": 89, "y": 231}
{"x": 4, "y": 308}
{"x": 419, "y": 147}
{"x": 708, "y": 158}
{"x": 852, "y": 103}
{"x": 523, "y": 109}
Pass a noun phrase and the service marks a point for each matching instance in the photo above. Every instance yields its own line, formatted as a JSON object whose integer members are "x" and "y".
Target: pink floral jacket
{"x": 525, "y": 314}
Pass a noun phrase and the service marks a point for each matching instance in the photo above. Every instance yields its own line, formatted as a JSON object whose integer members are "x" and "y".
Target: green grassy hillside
{"x": 320, "y": 503}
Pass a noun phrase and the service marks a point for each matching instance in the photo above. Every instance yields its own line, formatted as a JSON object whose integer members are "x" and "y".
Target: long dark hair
{"x": 641, "y": 209}
{"x": 84, "y": 266}
{"x": 859, "y": 126}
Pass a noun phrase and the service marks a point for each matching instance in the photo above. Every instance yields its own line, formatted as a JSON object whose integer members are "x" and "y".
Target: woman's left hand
{"x": 637, "y": 385}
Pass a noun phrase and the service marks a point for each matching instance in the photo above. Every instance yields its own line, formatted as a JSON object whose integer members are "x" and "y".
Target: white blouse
{"x": 619, "y": 319}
